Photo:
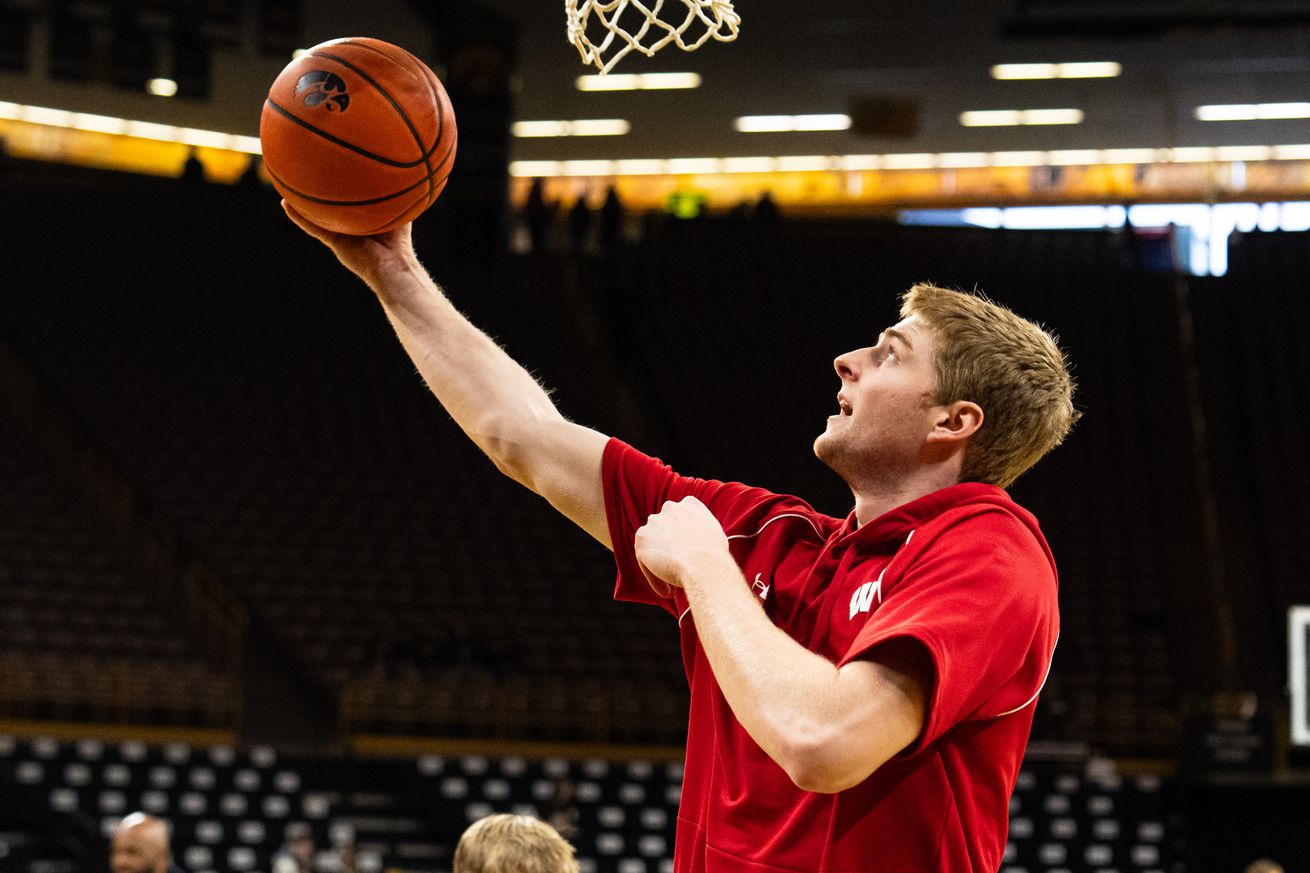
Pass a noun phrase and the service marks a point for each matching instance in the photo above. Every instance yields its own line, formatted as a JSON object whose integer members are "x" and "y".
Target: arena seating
{"x": 263, "y": 406}
{"x": 1255, "y": 331}
{"x": 229, "y": 808}
{"x": 80, "y": 638}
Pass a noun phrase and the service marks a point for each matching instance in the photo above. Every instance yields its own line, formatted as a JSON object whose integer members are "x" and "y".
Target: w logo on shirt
{"x": 862, "y": 599}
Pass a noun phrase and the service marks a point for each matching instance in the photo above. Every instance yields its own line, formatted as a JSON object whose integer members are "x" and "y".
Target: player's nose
{"x": 846, "y": 367}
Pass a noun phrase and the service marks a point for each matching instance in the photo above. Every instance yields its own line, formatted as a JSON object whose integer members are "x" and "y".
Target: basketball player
{"x": 862, "y": 689}
{"x": 513, "y": 844}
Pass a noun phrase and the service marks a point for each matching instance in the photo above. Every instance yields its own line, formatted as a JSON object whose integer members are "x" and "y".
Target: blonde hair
{"x": 513, "y": 844}
{"x": 1007, "y": 365}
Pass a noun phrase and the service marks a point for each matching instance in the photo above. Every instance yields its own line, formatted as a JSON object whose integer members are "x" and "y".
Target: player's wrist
{"x": 396, "y": 276}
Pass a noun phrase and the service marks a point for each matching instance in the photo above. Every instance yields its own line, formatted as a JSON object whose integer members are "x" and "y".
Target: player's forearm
{"x": 788, "y": 699}
{"x": 490, "y": 396}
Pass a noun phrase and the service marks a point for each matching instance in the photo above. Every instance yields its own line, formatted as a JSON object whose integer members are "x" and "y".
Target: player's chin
{"x": 825, "y": 445}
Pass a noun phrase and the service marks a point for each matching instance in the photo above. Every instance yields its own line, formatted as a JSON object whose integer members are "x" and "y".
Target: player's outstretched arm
{"x": 491, "y": 397}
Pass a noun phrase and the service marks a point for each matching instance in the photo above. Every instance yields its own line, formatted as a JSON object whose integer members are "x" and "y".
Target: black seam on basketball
{"x": 404, "y": 165}
{"x": 397, "y": 215}
{"x": 420, "y": 71}
{"x": 404, "y": 116}
{"x": 369, "y": 202}
{"x": 375, "y": 49}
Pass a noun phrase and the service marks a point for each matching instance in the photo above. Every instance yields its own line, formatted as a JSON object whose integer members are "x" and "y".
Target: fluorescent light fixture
{"x": 588, "y": 168}
{"x": 162, "y": 87}
{"x": 52, "y": 117}
{"x": 1079, "y": 70}
{"x": 539, "y": 128}
{"x": 1191, "y": 155}
{"x": 1053, "y": 116}
{"x": 1075, "y": 157}
{"x": 1292, "y": 153}
{"x": 694, "y": 166}
{"x": 209, "y": 139}
{"x": 788, "y": 123}
{"x": 1091, "y": 70}
{"x": 859, "y": 163}
{"x": 1130, "y": 156}
{"x": 1243, "y": 153}
{"x": 963, "y": 160}
{"x": 583, "y": 127}
{"x": 638, "y": 82}
{"x": 535, "y": 168}
{"x": 1026, "y": 71}
{"x": 1020, "y": 159}
{"x": 149, "y": 130}
{"x": 916, "y": 161}
{"x": 804, "y": 163}
{"x": 98, "y": 123}
{"x": 823, "y": 122}
{"x": 639, "y": 167}
{"x": 1252, "y": 111}
{"x": 749, "y": 165}
{"x": 91, "y": 123}
{"x": 1017, "y": 117}
{"x": 600, "y": 127}
{"x": 909, "y": 162}
{"x": 992, "y": 118}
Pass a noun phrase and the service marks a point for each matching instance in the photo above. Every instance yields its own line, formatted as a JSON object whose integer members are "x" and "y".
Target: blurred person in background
{"x": 140, "y": 845}
{"x": 297, "y": 853}
{"x": 505, "y": 843}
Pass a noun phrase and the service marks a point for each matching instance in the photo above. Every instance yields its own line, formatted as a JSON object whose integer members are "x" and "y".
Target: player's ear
{"x": 957, "y": 421}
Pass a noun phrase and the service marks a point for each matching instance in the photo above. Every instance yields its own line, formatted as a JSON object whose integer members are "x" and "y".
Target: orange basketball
{"x": 358, "y": 135}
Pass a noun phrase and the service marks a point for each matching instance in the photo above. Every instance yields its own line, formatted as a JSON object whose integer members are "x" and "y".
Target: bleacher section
{"x": 230, "y": 808}
{"x": 258, "y": 399}
{"x": 80, "y": 637}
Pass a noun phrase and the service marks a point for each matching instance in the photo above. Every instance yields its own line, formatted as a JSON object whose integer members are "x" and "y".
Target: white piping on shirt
{"x": 1049, "y": 665}
{"x": 772, "y": 520}
{"x": 757, "y": 533}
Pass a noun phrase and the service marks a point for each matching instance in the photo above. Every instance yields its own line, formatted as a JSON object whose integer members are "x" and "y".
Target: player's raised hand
{"x": 681, "y": 539}
{"x": 368, "y": 257}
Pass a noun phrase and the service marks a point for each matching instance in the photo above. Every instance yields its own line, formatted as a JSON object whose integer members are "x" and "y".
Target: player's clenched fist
{"x": 682, "y": 538}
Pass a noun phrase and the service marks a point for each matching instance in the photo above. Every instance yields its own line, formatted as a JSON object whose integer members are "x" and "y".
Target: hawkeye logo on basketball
{"x": 324, "y": 89}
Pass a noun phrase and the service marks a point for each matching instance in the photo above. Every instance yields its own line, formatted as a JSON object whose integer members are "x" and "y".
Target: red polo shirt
{"x": 963, "y": 571}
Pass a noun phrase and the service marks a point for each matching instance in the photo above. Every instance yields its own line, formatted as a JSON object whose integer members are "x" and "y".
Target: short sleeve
{"x": 981, "y": 598}
{"x": 636, "y": 486}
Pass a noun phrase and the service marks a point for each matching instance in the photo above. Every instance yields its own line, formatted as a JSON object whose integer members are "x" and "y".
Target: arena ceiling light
{"x": 638, "y": 82}
{"x": 915, "y": 161}
{"x": 1079, "y": 70}
{"x": 582, "y": 127}
{"x": 162, "y": 87}
{"x": 791, "y": 123}
{"x": 1252, "y": 111}
{"x": 1020, "y": 117}
{"x": 108, "y": 124}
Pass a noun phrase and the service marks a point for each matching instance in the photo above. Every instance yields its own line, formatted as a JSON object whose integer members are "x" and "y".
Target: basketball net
{"x": 622, "y": 26}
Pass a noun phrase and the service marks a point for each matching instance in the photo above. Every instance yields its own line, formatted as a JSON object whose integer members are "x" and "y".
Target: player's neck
{"x": 875, "y": 499}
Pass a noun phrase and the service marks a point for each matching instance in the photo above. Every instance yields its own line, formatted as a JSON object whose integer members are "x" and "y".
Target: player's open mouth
{"x": 843, "y": 405}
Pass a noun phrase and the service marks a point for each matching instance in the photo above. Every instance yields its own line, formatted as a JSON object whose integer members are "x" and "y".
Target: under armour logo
{"x": 760, "y": 587}
{"x": 325, "y": 89}
{"x": 862, "y": 599}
